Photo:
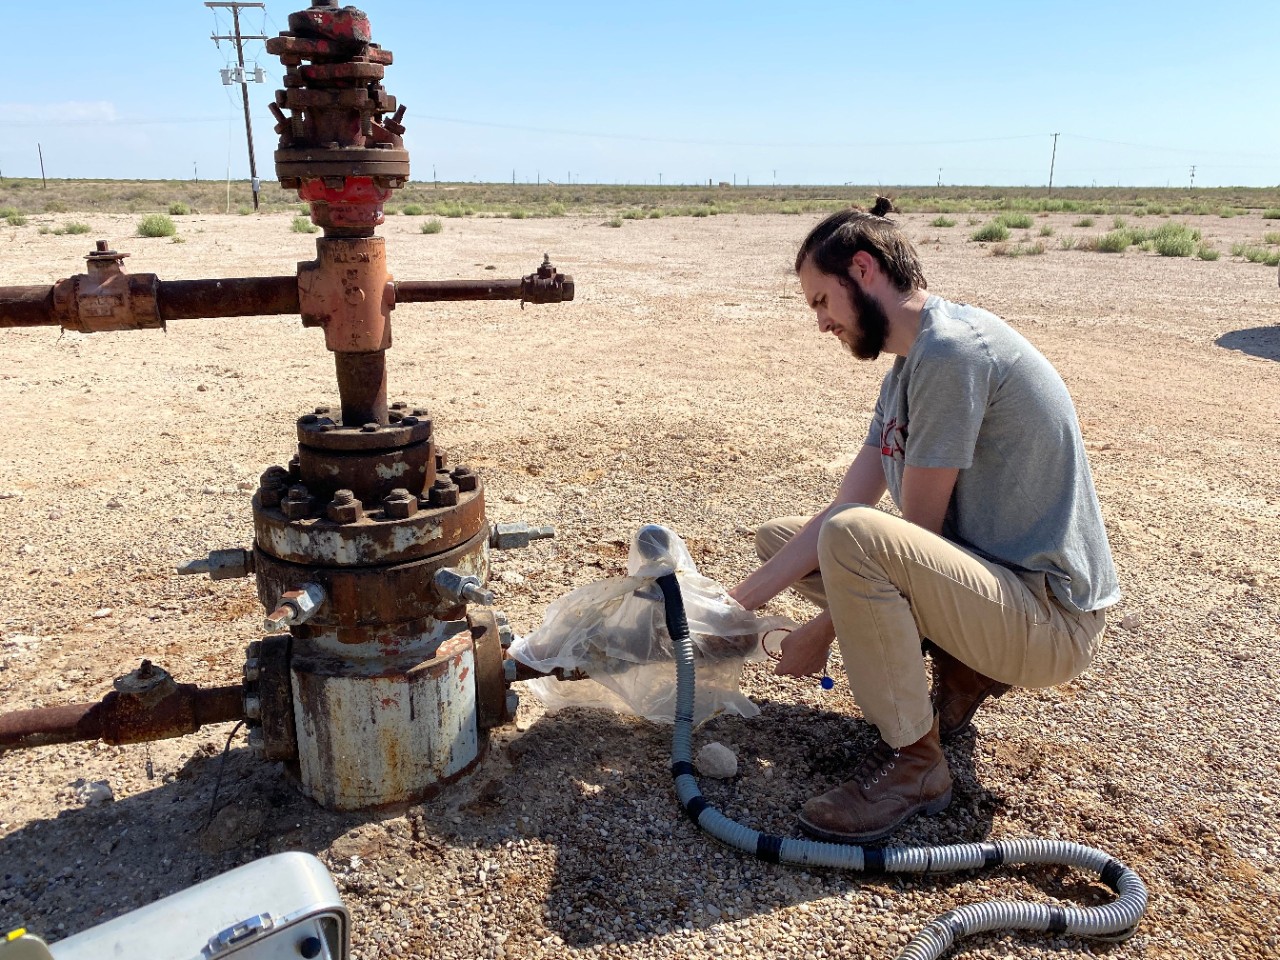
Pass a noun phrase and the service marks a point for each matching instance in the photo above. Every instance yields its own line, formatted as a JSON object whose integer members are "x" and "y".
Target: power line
{"x": 239, "y": 75}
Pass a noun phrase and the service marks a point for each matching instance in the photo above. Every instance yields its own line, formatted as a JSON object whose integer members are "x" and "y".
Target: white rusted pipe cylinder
{"x": 380, "y": 725}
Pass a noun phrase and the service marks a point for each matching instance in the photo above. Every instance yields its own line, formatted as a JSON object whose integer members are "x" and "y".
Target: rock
{"x": 511, "y": 577}
{"x": 1131, "y": 621}
{"x": 100, "y": 614}
{"x": 114, "y": 504}
{"x": 716, "y": 760}
{"x": 92, "y": 793}
{"x": 209, "y": 491}
{"x": 233, "y": 826}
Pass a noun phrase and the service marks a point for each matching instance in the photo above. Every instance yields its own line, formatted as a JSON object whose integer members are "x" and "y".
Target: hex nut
{"x": 252, "y": 670}
{"x": 344, "y": 508}
{"x": 253, "y": 707}
{"x": 257, "y": 743}
{"x": 444, "y": 493}
{"x": 399, "y": 504}
{"x": 465, "y": 478}
{"x": 297, "y": 505}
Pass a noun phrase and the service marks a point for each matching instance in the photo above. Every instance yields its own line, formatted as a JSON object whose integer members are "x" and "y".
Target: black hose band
{"x": 953, "y": 922}
{"x": 873, "y": 859}
{"x": 681, "y": 767}
{"x": 769, "y": 848}
{"x": 695, "y": 806}
{"x": 992, "y": 855}
{"x": 1057, "y": 920}
{"x": 1112, "y": 872}
{"x": 673, "y": 606}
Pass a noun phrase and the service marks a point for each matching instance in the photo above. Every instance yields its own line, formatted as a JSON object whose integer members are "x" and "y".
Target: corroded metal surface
{"x": 384, "y": 728}
{"x": 375, "y": 539}
{"x": 371, "y": 476}
{"x": 124, "y": 717}
{"x": 370, "y": 597}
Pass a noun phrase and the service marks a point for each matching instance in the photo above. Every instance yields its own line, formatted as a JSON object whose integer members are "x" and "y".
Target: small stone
{"x": 717, "y": 761}
{"x": 92, "y": 793}
{"x": 1131, "y": 621}
{"x": 511, "y": 577}
{"x": 201, "y": 389}
{"x": 208, "y": 491}
{"x": 114, "y": 504}
{"x": 104, "y": 612}
{"x": 245, "y": 485}
{"x": 385, "y": 907}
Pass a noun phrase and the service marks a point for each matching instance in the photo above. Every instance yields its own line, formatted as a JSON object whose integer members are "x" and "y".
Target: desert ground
{"x": 688, "y": 385}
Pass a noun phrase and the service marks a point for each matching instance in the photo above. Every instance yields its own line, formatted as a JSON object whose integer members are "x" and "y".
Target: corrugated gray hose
{"x": 1114, "y": 921}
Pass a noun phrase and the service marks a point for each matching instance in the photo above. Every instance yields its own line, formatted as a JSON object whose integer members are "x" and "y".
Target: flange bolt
{"x": 444, "y": 493}
{"x": 399, "y": 504}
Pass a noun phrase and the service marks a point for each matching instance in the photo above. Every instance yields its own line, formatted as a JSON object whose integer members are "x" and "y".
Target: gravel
{"x": 686, "y": 385}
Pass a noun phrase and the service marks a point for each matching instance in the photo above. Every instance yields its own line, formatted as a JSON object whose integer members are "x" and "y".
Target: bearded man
{"x": 999, "y": 565}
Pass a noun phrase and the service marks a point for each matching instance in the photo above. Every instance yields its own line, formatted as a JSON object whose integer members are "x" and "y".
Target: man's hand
{"x": 804, "y": 652}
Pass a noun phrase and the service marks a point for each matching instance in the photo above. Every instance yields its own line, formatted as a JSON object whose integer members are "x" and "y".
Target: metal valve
{"x": 459, "y": 587}
{"x": 516, "y": 536}
{"x": 220, "y": 565}
{"x": 296, "y": 607}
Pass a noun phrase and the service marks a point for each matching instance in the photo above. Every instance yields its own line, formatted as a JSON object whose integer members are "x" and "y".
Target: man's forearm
{"x": 797, "y": 559}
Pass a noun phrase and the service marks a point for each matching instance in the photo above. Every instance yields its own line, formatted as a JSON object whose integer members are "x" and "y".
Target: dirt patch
{"x": 686, "y": 385}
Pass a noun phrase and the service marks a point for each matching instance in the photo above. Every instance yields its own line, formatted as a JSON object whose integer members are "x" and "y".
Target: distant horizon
{"x": 1142, "y": 94}
{"x": 718, "y": 185}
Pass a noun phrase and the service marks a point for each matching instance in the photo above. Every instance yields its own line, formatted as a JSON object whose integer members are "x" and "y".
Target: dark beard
{"x": 873, "y": 322}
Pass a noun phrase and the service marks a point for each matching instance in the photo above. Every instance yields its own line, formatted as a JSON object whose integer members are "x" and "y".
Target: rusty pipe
{"x": 121, "y": 718}
{"x": 26, "y": 307}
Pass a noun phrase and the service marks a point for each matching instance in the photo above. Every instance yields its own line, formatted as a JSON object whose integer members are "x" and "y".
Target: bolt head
{"x": 322, "y": 411}
{"x": 344, "y": 508}
{"x": 369, "y": 428}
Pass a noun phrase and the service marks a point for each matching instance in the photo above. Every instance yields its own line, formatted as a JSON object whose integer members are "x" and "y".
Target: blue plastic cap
{"x": 828, "y": 683}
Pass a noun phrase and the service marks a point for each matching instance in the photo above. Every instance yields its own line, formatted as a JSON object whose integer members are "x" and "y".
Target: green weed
{"x": 1271, "y": 213}
{"x": 632, "y": 214}
{"x": 432, "y": 225}
{"x": 178, "y": 209}
{"x": 617, "y": 222}
{"x": 993, "y": 232}
{"x": 414, "y": 210}
{"x": 1046, "y": 231}
{"x": 942, "y": 221}
{"x": 1067, "y": 243}
{"x": 44, "y": 228}
{"x": 1084, "y": 222}
{"x": 1116, "y": 241}
{"x": 73, "y": 227}
{"x": 1207, "y": 253}
{"x": 1271, "y": 237}
{"x": 974, "y": 221}
{"x": 156, "y": 225}
{"x": 1238, "y": 249}
{"x": 303, "y": 224}
{"x": 16, "y": 220}
{"x": 518, "y": 213}
{"x": 1175, "y": 240}
{"x": 1015, "y": 221}
{"x": 244, "y": 210}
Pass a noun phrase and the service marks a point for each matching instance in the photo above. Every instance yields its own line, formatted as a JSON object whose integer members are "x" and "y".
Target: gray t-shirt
{"x": 972, "y": 393}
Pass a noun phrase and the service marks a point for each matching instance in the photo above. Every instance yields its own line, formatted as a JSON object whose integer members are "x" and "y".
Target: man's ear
{"x": 861, "y": 265}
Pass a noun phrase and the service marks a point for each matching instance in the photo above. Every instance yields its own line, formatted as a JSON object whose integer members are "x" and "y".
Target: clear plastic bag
{"x": 615, "y": 632}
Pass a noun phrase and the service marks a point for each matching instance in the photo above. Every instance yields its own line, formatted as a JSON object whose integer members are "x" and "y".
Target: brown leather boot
{"x": 958, "y": 691}
{"x": 888, "y": 787}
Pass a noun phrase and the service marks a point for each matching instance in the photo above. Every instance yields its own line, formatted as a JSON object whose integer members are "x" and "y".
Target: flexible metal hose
{"x": 1113, "y": 921}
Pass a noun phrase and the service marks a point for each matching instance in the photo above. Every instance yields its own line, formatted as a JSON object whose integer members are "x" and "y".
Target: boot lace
{"x": 879, "y": 760}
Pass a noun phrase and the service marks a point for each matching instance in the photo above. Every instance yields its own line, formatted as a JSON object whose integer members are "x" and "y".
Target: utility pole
{"x": 235, "y": 6}
{"x": 1193, "y": 176}
{"x": 43, "y": 181}
{"x": 940, "y": 176}
{"x": 1052, "y": 159}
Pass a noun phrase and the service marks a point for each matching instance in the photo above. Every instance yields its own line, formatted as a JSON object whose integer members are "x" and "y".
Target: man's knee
{"x": 849, "y": 525}
{"x": 772, "y": 535}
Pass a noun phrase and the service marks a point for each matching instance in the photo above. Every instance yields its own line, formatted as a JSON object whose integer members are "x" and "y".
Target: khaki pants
{"x": 888, "y": 583}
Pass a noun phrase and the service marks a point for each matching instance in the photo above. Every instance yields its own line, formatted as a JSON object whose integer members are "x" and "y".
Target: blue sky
{"x": 801, "y": 92}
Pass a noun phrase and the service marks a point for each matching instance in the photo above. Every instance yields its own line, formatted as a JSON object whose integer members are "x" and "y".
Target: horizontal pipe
{"x": 249, "y": 297}
{"x": 122, "y": 719}
{"x": 26, "y": 307}
{"x": 232, "y": 297}
{"x": 436, "y": 291}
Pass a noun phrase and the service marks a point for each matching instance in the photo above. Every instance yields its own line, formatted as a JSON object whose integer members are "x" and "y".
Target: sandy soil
{"x": 686, "y": 385}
